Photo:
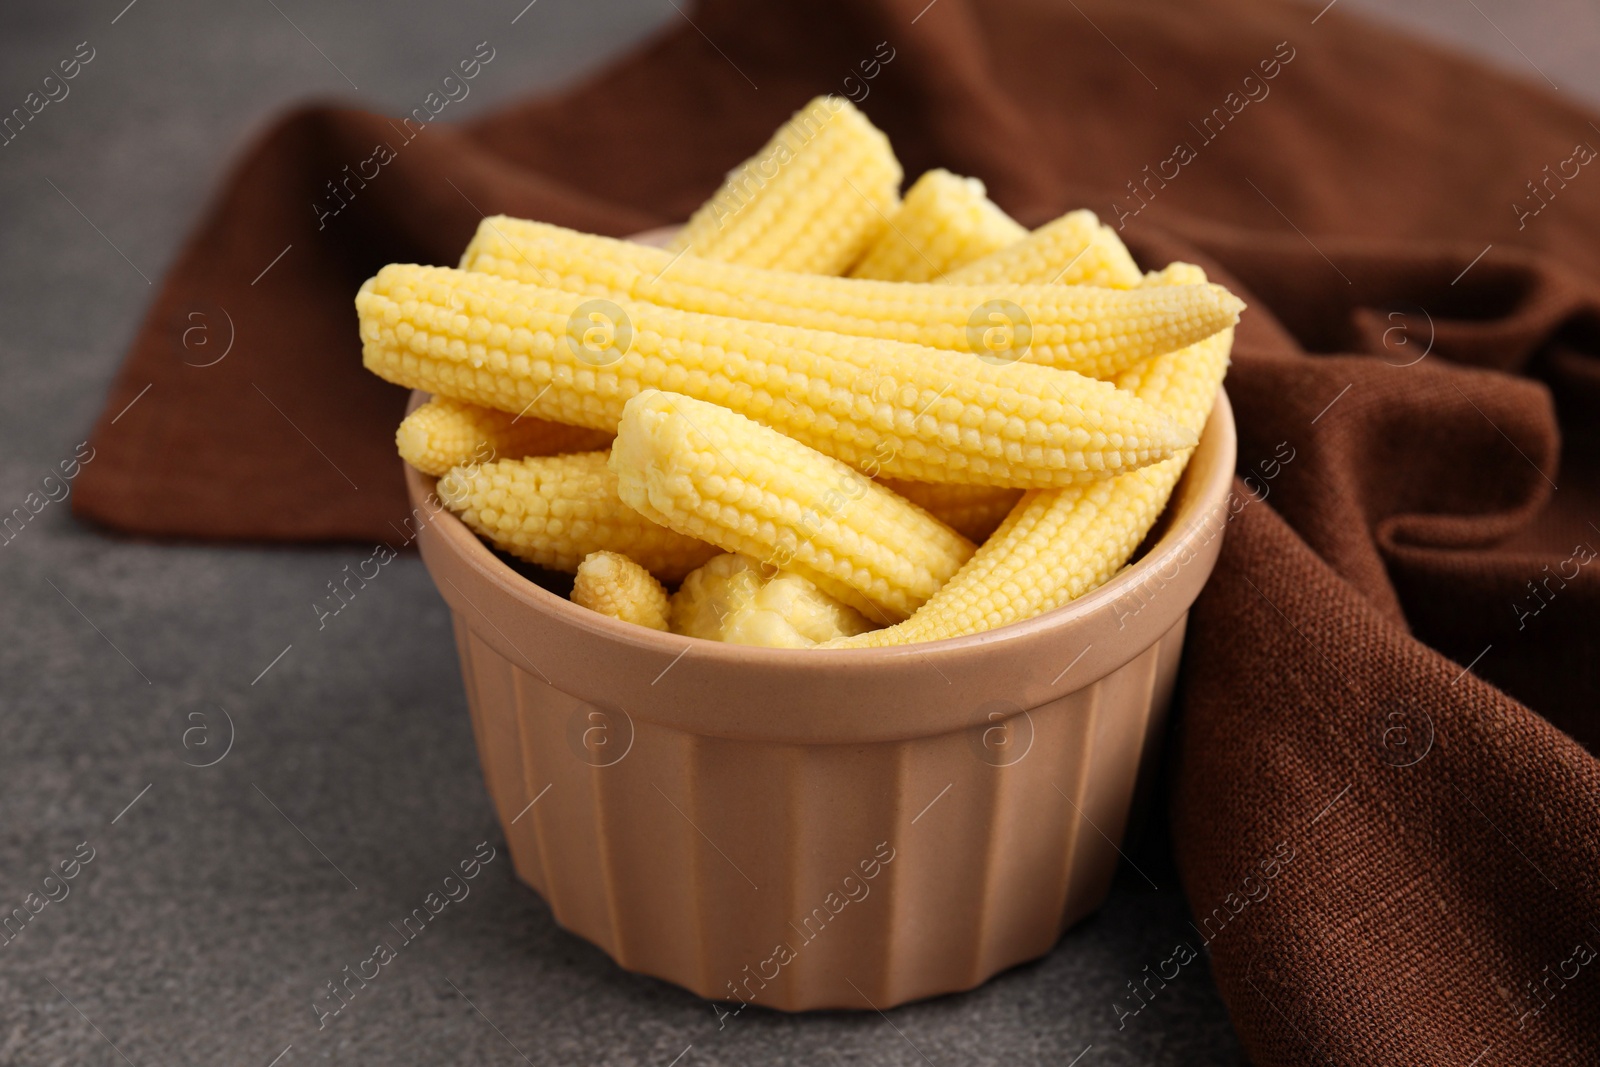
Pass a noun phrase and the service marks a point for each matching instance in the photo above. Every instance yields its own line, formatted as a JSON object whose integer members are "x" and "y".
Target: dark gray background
{"x": 219, "y": 903}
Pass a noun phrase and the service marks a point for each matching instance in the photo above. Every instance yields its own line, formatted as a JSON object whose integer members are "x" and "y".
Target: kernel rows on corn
{"x": 841, "y": 419}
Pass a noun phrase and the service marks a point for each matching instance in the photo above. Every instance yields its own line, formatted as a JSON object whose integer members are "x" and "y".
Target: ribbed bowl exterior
{"x": 695, "y": 858}
{"x": 804, "y": 829}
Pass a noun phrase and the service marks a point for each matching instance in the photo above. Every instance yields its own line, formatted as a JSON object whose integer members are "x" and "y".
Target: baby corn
{"x": 973, "y": 511}
{"x": 810, "y": 200}
{"x": 1057, "y": 545}
{"x": 555, "y": 510}
{"x": 732, "y": 598}
{"x": 886, "y": 407}
{"x": 1073, "y": 250}
{"x": 615, "y": 585}
{"x": 711, "y": 473}
{"x": 1093, "y": 330}
{"x": 943, "y": 223}
{"x": 445, "y": 433}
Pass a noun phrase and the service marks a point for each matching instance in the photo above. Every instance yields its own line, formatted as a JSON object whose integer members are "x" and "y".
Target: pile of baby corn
{"x": 833, "y": 417}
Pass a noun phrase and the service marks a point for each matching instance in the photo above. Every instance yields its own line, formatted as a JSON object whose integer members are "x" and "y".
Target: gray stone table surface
{"x": 220, "y": 899}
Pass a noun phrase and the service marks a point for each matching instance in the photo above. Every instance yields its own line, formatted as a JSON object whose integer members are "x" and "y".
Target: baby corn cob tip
{"x": 887, "y": 407}
{"x": 810, "y": 200}
{"x": 1094, "y": 330}
{"x": 445, "y": 433}
{"x": 943, "y": 223}
{"x": 713, "y": 474}
{"x": 612, "y": 584}
{"x": 733, "y": 598}
{"x": 556, "y": 510}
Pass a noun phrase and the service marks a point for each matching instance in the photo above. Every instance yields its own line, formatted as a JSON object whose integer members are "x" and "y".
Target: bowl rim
{"x": 1202, "y": 502}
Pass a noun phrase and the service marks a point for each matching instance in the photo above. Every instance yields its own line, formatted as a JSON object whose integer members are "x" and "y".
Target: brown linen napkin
{"x": 1417, "y": 375}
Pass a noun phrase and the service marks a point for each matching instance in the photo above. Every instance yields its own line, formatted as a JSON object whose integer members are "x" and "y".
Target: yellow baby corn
{"x": 445, "y": 433}
{"x": 973, "y": 511}
{"x": 555, "y": 510}
{"x": 809, "y": 201}
{"x": 711, "y": 473}
{"x": 1175, "y": 273}
{"x": 1057, "y": 545}
{"x": 614, "y": 585}
{"x": 902, "y": 410}
{"x": 734, "y": 599}
{"x": 1073, "y": 250}
{"x": 1184, "y": 384}
{"x": 1093, "y": 330}
{"x": 943, "y": 223}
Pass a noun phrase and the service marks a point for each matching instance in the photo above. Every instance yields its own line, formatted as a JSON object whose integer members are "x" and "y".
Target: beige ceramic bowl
{"x": 806, "y": 829}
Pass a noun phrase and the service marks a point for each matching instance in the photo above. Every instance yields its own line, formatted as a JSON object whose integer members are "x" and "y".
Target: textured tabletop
{"x": 248, "y": 801}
